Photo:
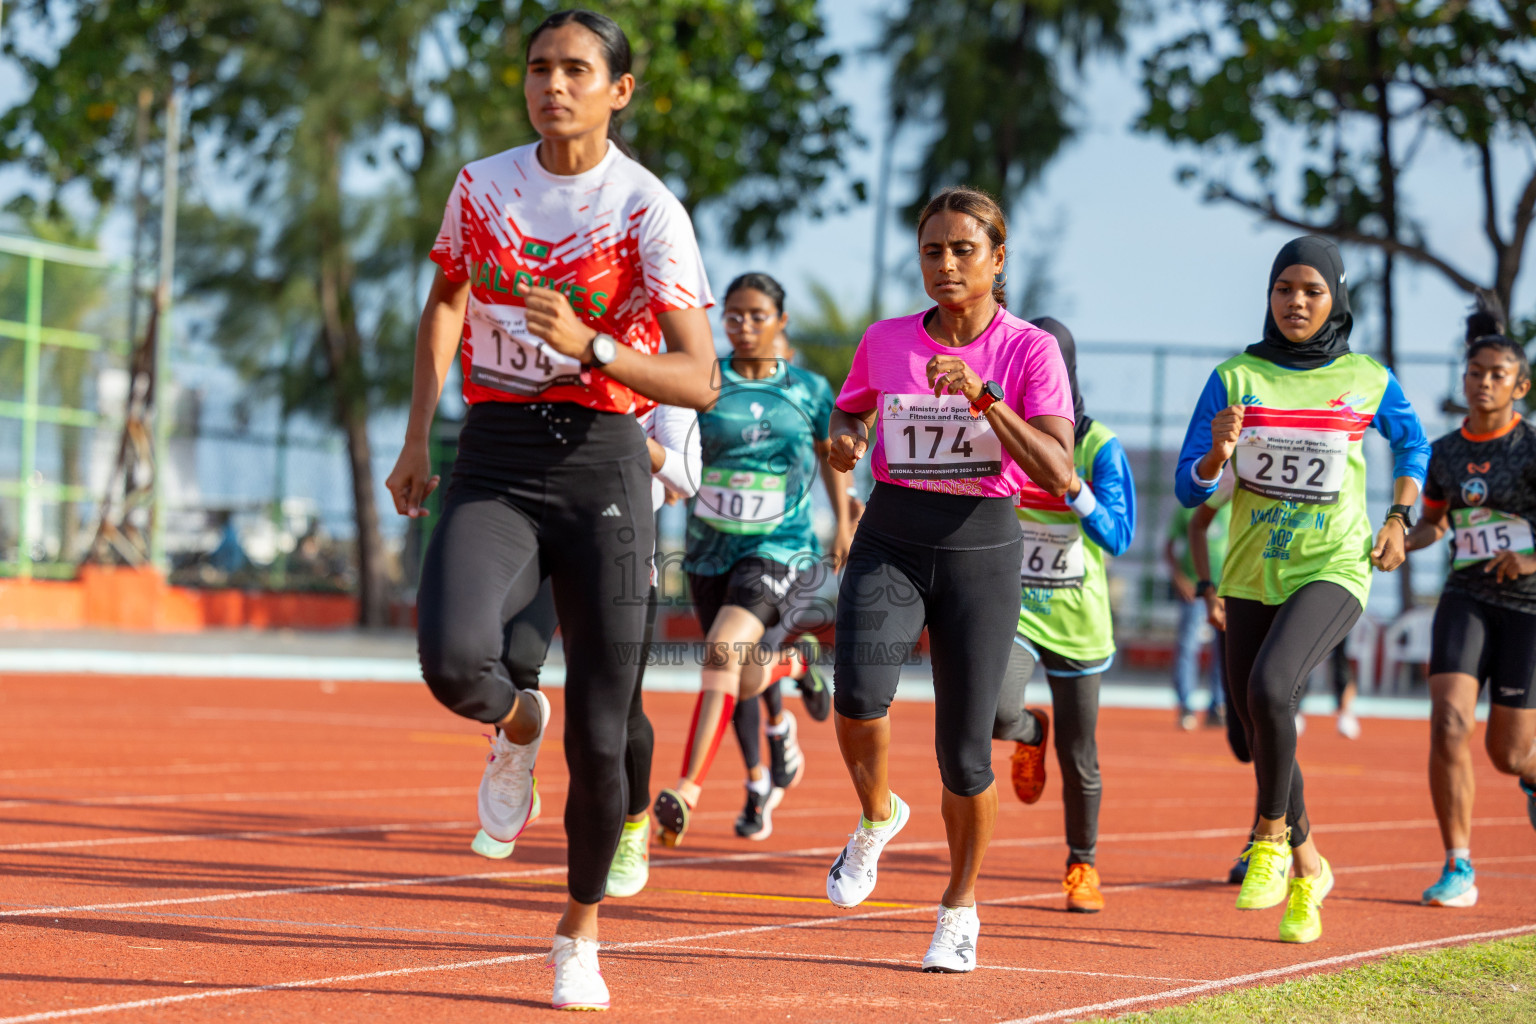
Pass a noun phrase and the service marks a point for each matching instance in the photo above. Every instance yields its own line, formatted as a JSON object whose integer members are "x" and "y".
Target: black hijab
{"x": 1332, "y": 339}
{"x": 1068, "y": 347}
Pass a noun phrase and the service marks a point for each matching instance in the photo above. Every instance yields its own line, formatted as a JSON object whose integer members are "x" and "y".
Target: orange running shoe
{"x": 1029, "y": 762}
{"x": 1082, "y": 886}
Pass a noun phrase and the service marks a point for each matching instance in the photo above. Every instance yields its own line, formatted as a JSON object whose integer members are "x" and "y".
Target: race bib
{"x": 930, "y": 437}
{"x": 1482, "y": 533}
{"x": 504, "y": 356}
{"x": 1053, "y": 555}
{"x": 1292, "y": 465}
{"x": 740, "y": 502}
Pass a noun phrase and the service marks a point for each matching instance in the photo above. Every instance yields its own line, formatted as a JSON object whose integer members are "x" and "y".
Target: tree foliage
{"x": 1344, "y": 94}
{"x": 326, "y": 138}
{"x": 985, "y": 77}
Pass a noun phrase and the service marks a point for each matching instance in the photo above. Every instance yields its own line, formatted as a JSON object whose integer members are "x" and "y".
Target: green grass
{"x": 1489, "y": 983}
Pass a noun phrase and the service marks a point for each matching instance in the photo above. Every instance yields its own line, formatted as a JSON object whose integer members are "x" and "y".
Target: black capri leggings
{"x": 576, "y": 509}
{"x": 528, "y": 637}
{"x": 951, "y": 563}
{"x": 1271, "y": 650}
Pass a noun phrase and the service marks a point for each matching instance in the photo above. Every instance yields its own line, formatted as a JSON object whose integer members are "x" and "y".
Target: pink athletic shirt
{"x": 934, "y": 443}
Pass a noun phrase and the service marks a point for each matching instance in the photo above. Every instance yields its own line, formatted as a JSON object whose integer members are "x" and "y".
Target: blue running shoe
{"x": 1530, "y": 802}
{"x": 1457, "y": 886}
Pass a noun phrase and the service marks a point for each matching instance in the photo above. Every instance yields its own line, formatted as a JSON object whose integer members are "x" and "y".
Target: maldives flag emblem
{"x": 535, "y": 250}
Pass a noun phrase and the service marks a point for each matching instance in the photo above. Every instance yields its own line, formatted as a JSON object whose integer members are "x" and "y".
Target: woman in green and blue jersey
{"x": 1065, "y": 625}
{"x": 1291, "y": 412}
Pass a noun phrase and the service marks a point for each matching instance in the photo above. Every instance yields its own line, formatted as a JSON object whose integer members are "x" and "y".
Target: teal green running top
{"x": 760, "y": 466}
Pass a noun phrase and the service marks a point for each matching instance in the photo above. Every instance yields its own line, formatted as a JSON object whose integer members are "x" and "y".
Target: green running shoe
{"x": 814, "y": 686}
{"x": 631, "y": 867}
{"x": 1303, "y": 920}
{"x": 1269, "y": 861}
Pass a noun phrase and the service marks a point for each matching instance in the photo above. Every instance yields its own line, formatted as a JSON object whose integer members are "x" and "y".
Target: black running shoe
{"x": 786, "y": 761}
{"x": 1238, "y": 872}
{"x": 756, "y": 819}
{"x": 671, "y": 814}
{"x": 1530, "y": 802}
{"x": 814, "y": 688}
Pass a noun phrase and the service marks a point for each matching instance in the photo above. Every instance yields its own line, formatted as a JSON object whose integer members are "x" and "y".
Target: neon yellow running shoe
{"x": 1269, "y": 860}
{"x": 631, "y": 867}
{"x": 1303, "y": 920}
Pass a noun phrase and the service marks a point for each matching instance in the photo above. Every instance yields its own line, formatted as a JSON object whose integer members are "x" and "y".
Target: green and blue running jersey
{"x": 760, "y": 466}
{"x": 1299, "y": 513}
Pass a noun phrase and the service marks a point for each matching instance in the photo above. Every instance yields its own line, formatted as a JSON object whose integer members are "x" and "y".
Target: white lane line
{"x": 299, "y": 890}
{"x": 731, "y": 933}
{"x": 163, "y": 799}
{"x": 243, "y": 767}
{"x": 734, "y": 858}
{"x": 1276, "y": 972}
{"x": 279, "y": 833}
{"x": 908, "y": 960}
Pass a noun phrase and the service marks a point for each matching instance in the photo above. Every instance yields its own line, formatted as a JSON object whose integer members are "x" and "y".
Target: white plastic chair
{"x": 1405, "y": 642}
{"x": 1360, "y": 647}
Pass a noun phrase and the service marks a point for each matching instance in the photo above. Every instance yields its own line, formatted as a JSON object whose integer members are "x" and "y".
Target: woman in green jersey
{"x": 1291, "y": 412}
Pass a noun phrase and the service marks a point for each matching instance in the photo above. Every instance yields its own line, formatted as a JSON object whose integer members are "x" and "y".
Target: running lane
{"x": 190, "y": 850}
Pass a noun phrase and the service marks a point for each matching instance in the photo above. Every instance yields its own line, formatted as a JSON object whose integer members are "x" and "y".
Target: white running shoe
{"x": 579, "y": 983}
{"x": 1349, "y": 725}
{"x": 509, "y": 794}
{"x": 852, "y": 876}
{"x": 631, "y": 867}
{"x": 953, "y": 949}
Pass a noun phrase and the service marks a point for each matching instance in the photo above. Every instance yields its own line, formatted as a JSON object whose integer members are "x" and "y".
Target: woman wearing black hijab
{"x": 1291, "y": 413}
{"x": 1064, "y": 624}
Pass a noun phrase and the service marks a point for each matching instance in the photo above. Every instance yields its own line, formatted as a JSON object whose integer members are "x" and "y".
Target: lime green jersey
{"x": 1064, "y": 592}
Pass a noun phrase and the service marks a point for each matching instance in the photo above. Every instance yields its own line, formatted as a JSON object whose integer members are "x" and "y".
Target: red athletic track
{"x": 178, "y": 850}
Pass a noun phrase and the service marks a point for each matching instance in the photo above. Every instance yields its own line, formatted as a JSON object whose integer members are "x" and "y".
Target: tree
{"x": 334, "y": 132}
{"x": 985, "y": 78}
{"x": 1328, "y": 89}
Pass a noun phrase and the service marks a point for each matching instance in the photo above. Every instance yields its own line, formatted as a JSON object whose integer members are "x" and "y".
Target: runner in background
{"x": 672, "y": 441}
{"x": 1065, "y": 624}
{"x": 753, "y": 561}
{"x": 799, "y": 662}
{"x": 1482, "y": 489}
{"x": 1192, "y": 616}
{"x": 1207, "y": 575}
{"x": 1291, "y": 412}
{"x": 967, "y": 402}
{"x": 562, "y": 305}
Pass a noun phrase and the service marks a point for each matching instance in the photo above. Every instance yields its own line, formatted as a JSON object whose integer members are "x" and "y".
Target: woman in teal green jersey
{"x": 753, "y": 561}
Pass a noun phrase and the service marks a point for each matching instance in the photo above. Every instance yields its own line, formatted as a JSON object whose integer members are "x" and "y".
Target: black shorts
{"x": 1491, "y": 644}
{"x": 782, "y": 597}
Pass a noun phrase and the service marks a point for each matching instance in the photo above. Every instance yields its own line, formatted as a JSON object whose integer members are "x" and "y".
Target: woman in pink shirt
{"x": 966, "y": 401}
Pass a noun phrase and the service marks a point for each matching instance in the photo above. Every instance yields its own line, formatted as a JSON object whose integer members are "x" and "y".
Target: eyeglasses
{"x": 758, "y": 319}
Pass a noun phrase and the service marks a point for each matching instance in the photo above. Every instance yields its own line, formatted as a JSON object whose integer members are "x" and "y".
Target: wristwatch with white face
{"x": 604, "y": 350}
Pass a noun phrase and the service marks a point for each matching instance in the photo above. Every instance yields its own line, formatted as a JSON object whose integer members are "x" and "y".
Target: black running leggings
{"x": 1075, "y": 703}
{"x": 529, "y": 635}
{"x": 1271, "y": 650}
{"x": 579, "y": 512}
{"x": 951, "y": 563}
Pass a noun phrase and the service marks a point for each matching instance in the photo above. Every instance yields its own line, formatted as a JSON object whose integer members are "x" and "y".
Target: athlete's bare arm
{"x": 437, "y": 342}
{"x": 1429, "y": 529}
{"x": 679, "y": 376}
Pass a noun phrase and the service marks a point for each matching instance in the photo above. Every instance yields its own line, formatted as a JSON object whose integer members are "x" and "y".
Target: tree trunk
{"x": 372, "y": 581}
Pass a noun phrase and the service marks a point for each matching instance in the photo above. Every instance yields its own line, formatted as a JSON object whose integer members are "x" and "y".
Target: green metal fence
{"x": 58, "y": 369}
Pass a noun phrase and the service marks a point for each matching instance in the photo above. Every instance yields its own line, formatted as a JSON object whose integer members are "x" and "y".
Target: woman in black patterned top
{"x": 1482, "y": 488}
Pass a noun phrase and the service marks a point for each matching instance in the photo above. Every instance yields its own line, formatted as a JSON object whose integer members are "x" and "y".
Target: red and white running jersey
{"x": 613, "y": 239}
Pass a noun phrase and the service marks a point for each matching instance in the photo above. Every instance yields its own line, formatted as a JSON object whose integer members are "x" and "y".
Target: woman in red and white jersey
{"x": 563, "y": 267}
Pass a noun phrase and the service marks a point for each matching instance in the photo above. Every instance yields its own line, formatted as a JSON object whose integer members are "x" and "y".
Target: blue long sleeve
{"x": 1111, "y": 523}
{"x": 1197, "y": 441}
{"x": 1399, "y": 424}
